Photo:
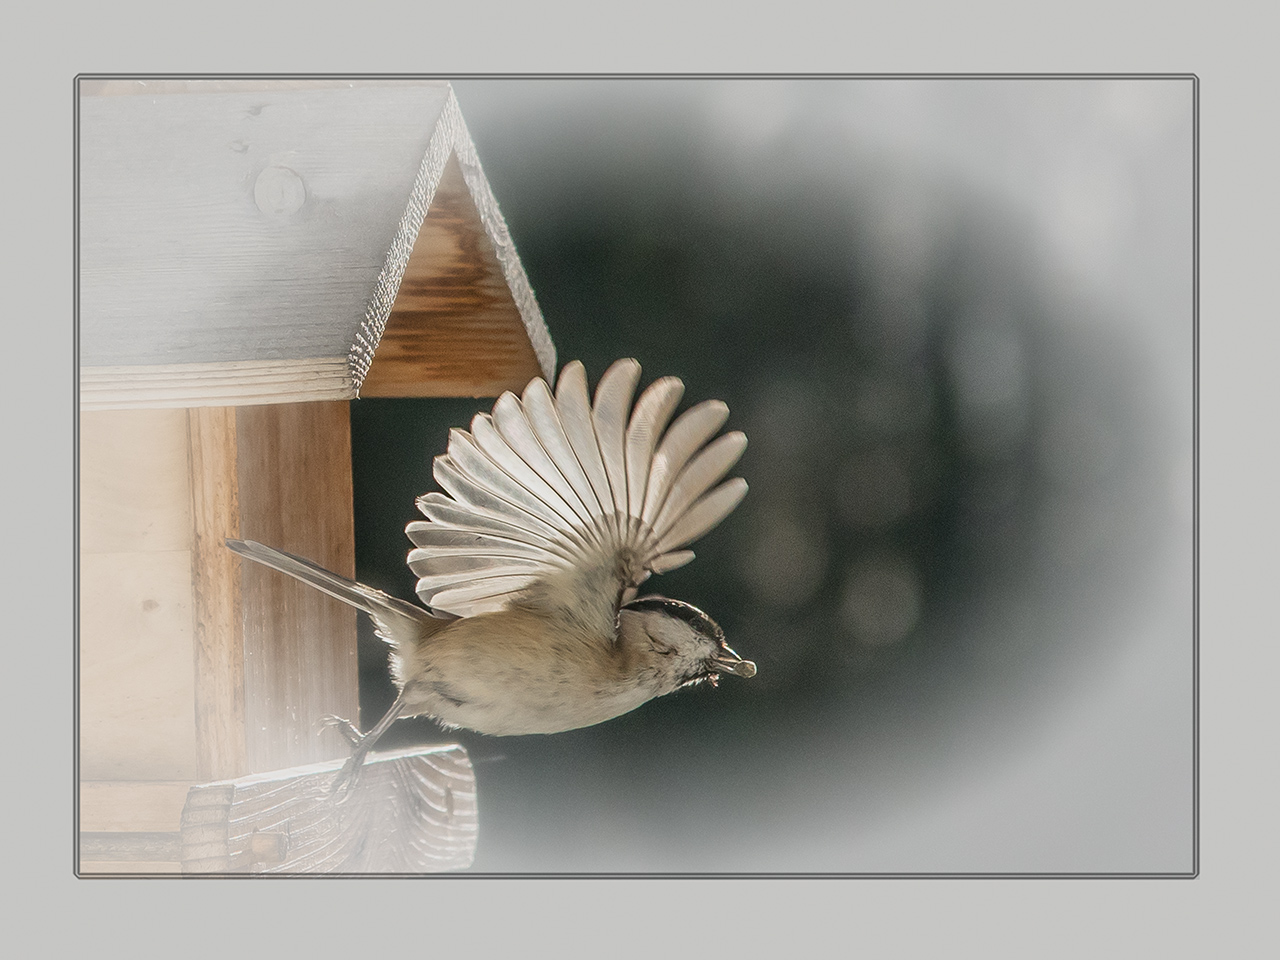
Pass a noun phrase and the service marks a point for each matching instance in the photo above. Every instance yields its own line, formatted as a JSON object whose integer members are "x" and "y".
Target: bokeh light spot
{"x": 881, "y": 601}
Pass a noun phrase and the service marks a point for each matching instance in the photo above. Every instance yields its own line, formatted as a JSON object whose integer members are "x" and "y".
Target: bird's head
{"x": 680, "y": 643}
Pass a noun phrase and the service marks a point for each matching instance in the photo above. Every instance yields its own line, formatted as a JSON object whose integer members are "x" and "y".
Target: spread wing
{"x": 553, "y": 499}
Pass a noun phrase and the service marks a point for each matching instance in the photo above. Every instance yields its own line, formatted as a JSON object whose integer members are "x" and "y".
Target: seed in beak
{"x": 739, "y": 668}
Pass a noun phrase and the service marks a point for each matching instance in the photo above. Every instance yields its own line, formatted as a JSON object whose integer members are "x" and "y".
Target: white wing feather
{"x": 692, "y": 429}
{"x": 540, "y": 408}
{"x": 448, "y": 513}
{"x": 710, "y": 464}
{"x": 609, "y": 418}
{"x": 551, "y": 487}
{"x": 653, "y": 411}
{"x": 574, "y": 411}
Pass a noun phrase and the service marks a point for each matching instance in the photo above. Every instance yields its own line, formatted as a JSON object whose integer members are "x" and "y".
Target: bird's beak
{"x": 730, "y": 662}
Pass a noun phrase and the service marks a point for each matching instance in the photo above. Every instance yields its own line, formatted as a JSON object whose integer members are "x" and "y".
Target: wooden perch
{"x": 412, "y": 811}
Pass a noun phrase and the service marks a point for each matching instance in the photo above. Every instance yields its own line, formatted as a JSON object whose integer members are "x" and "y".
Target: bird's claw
{"x": 345, "y": 727}
{"x": 345, "y": 781}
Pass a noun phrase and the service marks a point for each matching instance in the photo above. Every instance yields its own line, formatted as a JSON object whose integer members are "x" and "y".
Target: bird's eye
{"x": 657, "y": 646}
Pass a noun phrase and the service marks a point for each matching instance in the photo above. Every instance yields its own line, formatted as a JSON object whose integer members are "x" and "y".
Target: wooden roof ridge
{"x": 269, "y": 241}
{"x": 450, "y": 141}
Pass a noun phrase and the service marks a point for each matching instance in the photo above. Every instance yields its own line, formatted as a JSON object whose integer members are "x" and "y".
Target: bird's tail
{"x": 387, "y": 611}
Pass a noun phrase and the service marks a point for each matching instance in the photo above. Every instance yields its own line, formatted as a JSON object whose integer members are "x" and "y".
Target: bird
{"x": 553, "y": 511}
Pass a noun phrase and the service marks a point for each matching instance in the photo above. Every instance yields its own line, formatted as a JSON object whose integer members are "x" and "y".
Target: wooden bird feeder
{"x": 253, "y": 255}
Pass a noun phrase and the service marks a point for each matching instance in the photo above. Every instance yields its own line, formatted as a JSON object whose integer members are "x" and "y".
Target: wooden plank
{"x": 215, "y": 384}
{"x": 232, "y": 222}
{"x": 132, "y": 805}
{"x": 449, "y": 153}
{"x": 294, "y": 480}
{"x": 412, "y": 811}
{"x": 136, "y": 637}
{"x": 219, "y": 693}
{"x": 136, "y": 680}
{"x": 134, "y": 482}
{"x": 131, "y": 847}
{"x": 454, "y": 329}
{"x": 129, "y": 807}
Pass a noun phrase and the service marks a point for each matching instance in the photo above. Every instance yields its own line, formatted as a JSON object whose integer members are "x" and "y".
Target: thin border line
{"x": 1171, "y": 876}
{"x": 1172, "y": 75}
{"x": 1195, "y": 476}
{"x": 75, "y": 466}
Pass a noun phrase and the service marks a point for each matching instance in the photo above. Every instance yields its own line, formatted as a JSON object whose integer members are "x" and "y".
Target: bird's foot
{"x": 345, "y": 727}
{"x": 345, "y": 781}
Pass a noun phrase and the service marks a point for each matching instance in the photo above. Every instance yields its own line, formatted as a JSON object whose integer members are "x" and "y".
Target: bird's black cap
{"x": 687, "y": 612}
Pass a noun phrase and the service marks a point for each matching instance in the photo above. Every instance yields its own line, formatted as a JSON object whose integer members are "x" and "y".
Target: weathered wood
{"x": 454, "y": 329}
{"x": 293, "y": 473}
{"x": 185, "y": 258}
{"x": 174, "y": 683}
{"x": 257, "y": 232}
{"x": 450, "y": 142}
{"x": 218, "y": 622}
{"x": 411, "y": 811}
{"x": 238, "y": 251}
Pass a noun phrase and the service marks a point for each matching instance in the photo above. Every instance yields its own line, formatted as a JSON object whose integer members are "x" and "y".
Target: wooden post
{"x": 251, "y": 254}
{"x": 215, "y": 575}
{"x": 293, "y": 469}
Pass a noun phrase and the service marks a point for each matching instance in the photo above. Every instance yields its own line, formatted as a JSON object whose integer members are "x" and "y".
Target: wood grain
{"x": 219, "y": 696}
{"x": 454, "y": 329}
{"x": 294, "y": 478}
{"x": 189, "y": 666}
{"x": 244, "y": 242}
{"x": 412, "y": 811}
{"x": 182, "y": 261}
{"x": 215, "y": 384}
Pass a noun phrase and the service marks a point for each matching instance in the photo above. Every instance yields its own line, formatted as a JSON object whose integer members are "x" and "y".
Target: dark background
{"x": 954, "y": 320}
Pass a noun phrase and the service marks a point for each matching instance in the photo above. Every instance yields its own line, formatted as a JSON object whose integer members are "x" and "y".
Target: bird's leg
{"x": 346, "y": 778}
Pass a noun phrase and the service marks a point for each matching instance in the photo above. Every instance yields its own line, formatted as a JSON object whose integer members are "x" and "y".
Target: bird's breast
{"x": 508, "y": 674}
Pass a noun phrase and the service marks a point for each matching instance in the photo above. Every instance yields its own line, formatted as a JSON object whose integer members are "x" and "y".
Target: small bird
{"x": 555, "y": 511}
